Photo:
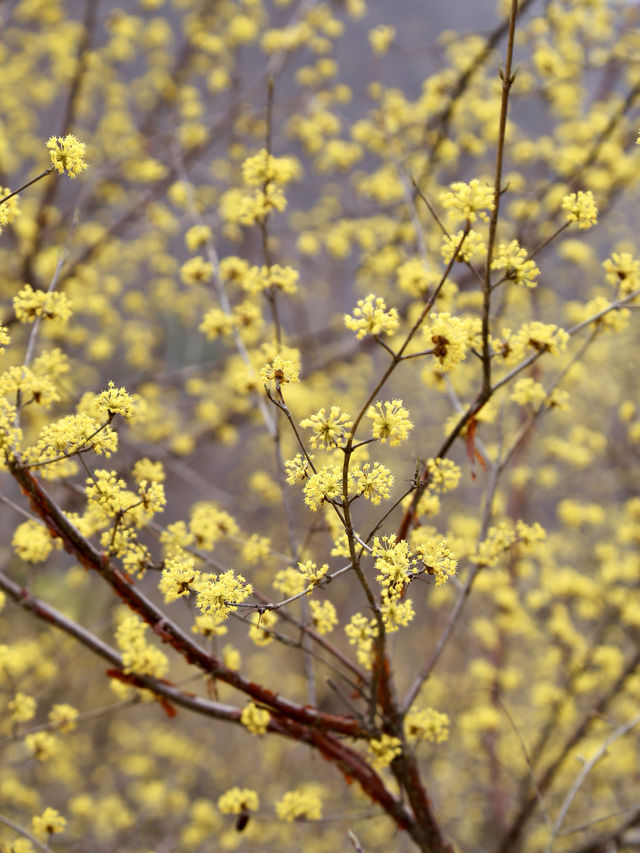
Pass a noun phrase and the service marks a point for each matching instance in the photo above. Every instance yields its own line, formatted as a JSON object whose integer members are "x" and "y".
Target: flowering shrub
{"x": 319, "y": 430}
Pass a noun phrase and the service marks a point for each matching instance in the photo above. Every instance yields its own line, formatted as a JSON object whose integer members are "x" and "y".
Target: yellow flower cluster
{"x": 393, "y": 561}
{"x": 450, "y": 338}
{"x": 221, "y": 593}
{"x": 49, "y": 823}
{"x": 196, "y": 270}
{"x": 536, "y": 336}
{"x": 324, "y": 485}
{"x": 373, "y": 481}
{"x": 381, "y": 38}
{"x": 391, "y": 422}
{"x": 324, "y": 616}
{"x": 65, "y": 437}
{"x": 178, "y": 579}
{"x": 311, "y": 572}
{"x": 581, "y": 208}
{"x": 238, "y": 800}
{"x": 444, "y": 474}
{"x": 32, "y": 385}
{"x": 29, "y": 304}
{"x": 623, "y": 272}
{"x": 396, "y": 612}
{"x": 513, "y": 259}
{"x": 438, "y": 560}
{"x": 280, "y": 371}
{"x": 297, "y": 469}
{"x": 9, "y": 209}
{"x": 304, "y": 803}
{"x": 22, "y": 707}
{"x": 255, "y": 719}
{"x": 289, "y": 582}
{"x": 467, "y": 202}
{"x": 471, "y": 247}
{"x": 427, "y": 724}
{"x": 329, "y": 430}
{"x": 361, "y": 633}
{"x": 384, "y": 749}
{"x": 32, "y": 541}
{"x": 67, "y": 154}
{"x": 414, "y": 278}
{"x": 370, "y": 317}
{"x": 268, "y": 174}
{"x": 263, "y": 168}
{"x": 137, "y": 656}
{"x": 116, "y": 401}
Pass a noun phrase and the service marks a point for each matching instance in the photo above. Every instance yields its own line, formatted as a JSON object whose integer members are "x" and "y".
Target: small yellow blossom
{"x": 466, "y": 202}
{"x": 63, "y": 717}
{"x": 391, "y": 422}
{"x": 137, "y": 656}
{"x": 263, "y": 168}
{"x": 10, "y": 208}
{"x": 210, "y": 625}
{"x": 145, "y": 469}
{"x": 238, "y": 800}
{"x": 30, "y": 304}
{"x": 311, "y": 572}
{"x": 414, "y": 278}
{"x": 116, "y": 401}
{"x": 444, "y": 474}
{"x": 197, "y": 236}
{"x": 196, "y": 270}
{"x": 393, "y": 560}
{"x": 396, "y": 611}
{"x": 527, "y": 391}
{"x": 438, "y": 560}
{"x": 32, "y": 541}
{"x": 43, "y": 746}
{"x": 473, "y": 246}
{"x": 289, "y": 582}
{"x": 324, "y": 485}
{"x": 384, "y": 749}
{"x": 329, "y": 430}
{"x": 370, "y": 317}
{"x": 623, "y": 272}
{"x": 255, "y": 719}
{"x": 22, "y": 707}
{"x": 221, "y": 593}
{"x": 381, "y": 38}
{"x": 373, "y": 481}
{"x": 450, "y": 338}
{"x": 297, "y": 469}
{"x": 581, "y": 208}
{"x": 280, "y": 370}
{"x": 427, "y": 724}
{"x": 361, "y": 633}
{"x": 513, "y": 259}
{"x": 217, "y": 323}
{"x": 179, "y": 578}
{"x": 536, "y": 336}
{"x": 47, "y": 824}
{"x": 324, "y": 616}
{"x": 303, "y": 804}
{"x": 67, "y": 154}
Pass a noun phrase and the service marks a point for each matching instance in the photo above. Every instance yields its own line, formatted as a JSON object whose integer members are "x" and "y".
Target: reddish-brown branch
{"x": 92, "y": 559}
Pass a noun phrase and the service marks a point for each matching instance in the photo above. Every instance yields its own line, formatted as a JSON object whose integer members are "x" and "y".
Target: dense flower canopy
{"x": 319, "y": 426}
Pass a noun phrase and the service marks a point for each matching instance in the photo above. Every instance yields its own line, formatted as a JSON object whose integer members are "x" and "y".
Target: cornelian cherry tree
{"x": 319, "y": 428}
